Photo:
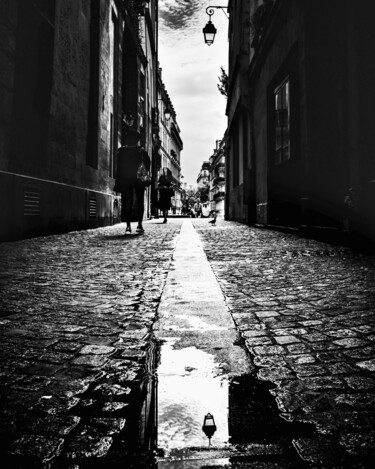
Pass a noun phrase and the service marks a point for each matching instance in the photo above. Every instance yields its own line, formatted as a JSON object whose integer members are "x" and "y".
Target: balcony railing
{"x": 219, "y": 196}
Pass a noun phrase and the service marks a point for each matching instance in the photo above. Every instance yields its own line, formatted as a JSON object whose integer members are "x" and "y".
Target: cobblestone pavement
{"x": 305, "y": 310}
{"x": 76, "y": 314}
{"x": 75, "y": 318}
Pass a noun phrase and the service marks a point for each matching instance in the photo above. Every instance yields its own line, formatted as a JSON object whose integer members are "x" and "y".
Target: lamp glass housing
{"x": 209, "y": 32}
{"x": 209, "y": 427}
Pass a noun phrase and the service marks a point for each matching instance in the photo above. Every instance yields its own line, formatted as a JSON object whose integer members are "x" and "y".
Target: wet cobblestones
{"x": 305, "y": 311}
{"x": 76, "y": 313}
{"x": 75, "y": 318}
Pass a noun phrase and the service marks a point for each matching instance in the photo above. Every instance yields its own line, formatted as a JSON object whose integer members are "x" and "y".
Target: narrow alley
{"x": 114, "y": 348}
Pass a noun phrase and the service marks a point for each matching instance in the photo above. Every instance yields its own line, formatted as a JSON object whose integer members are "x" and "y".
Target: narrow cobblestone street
{"x": 76, "y": 318}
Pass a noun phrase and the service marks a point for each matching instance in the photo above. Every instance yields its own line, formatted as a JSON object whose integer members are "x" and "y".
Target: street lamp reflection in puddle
{"x": 209, "y": 427}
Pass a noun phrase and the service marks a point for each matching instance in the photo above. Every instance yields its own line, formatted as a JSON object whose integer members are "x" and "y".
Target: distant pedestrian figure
{"x": 205, "y": 209}
{"x": 198, "y": 208}
{"x": 116, "y": 211}
{"x": 191, "y": 212}
{"x": 133, "y": 165}
{"x": 166, "y": 192}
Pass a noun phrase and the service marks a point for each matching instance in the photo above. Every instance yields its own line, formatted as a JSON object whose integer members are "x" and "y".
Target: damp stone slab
{"x": 192, "y": 299}
{"x": 192, "y": 289}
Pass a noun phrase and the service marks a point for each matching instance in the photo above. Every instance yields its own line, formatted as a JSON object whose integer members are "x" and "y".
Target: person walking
{"x": 198, "y": 208}
{"x": 133, "y": 166}
{"x": 166, "y": 192}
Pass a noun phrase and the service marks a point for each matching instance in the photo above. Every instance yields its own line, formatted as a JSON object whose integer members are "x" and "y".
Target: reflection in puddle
{"x": 190, "y": 387}
{"x": 194, "y": 322}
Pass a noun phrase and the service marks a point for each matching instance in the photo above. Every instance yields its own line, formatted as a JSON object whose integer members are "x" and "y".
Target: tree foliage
{"x": 202, "y": 194}
{"x": 223, "y": 82}
{"x": 191, "y": 196}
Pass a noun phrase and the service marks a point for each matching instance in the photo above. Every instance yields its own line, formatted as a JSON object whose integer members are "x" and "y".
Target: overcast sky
{"x": 190, "y": 74}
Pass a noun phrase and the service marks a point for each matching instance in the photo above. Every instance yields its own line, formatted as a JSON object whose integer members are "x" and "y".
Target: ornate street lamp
{"x": 209, "y": 427}
{"x": 209, "y": 31}
{"x": 167, "y": 112}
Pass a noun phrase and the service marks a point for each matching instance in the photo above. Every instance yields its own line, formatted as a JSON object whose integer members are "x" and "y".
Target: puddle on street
{"x": 194, "y": 322}
{"x": 190, "y": 386}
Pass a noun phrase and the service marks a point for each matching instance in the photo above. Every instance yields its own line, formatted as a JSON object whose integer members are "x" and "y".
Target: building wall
{"x": 217, "y": 180}
{"x": 150, "y": 70}
{"x": 358, "y": 98}
{"x": 278, "y": 187}
{"x": 237, "y": 155}
{"x": 171, "y": 146}
{"x": 61, "y": 127}
{"x": 204, "y": 175}
{"x": 315, "y": 56}
{"x": 44, "y": 141}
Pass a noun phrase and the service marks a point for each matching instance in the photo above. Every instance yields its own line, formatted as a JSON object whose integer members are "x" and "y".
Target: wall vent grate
{"x": 31, "y": 203}
{"x": 92, "y": 207}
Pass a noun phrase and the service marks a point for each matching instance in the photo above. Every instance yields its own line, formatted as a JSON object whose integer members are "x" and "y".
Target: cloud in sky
{"x": 176, "y": 14}
{"x": 190, "y": 73}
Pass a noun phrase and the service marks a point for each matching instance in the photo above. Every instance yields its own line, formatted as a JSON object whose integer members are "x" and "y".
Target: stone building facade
{"x": 217, "y": 179}
{"x": 72, "y": 71}
{"x": 300, "y": 118}
{"x": 204, "y": 175}
{"x": 171, "y": 145}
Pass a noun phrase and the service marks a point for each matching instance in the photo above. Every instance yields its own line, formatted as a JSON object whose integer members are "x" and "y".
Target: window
{"x": 282, "y": 123}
